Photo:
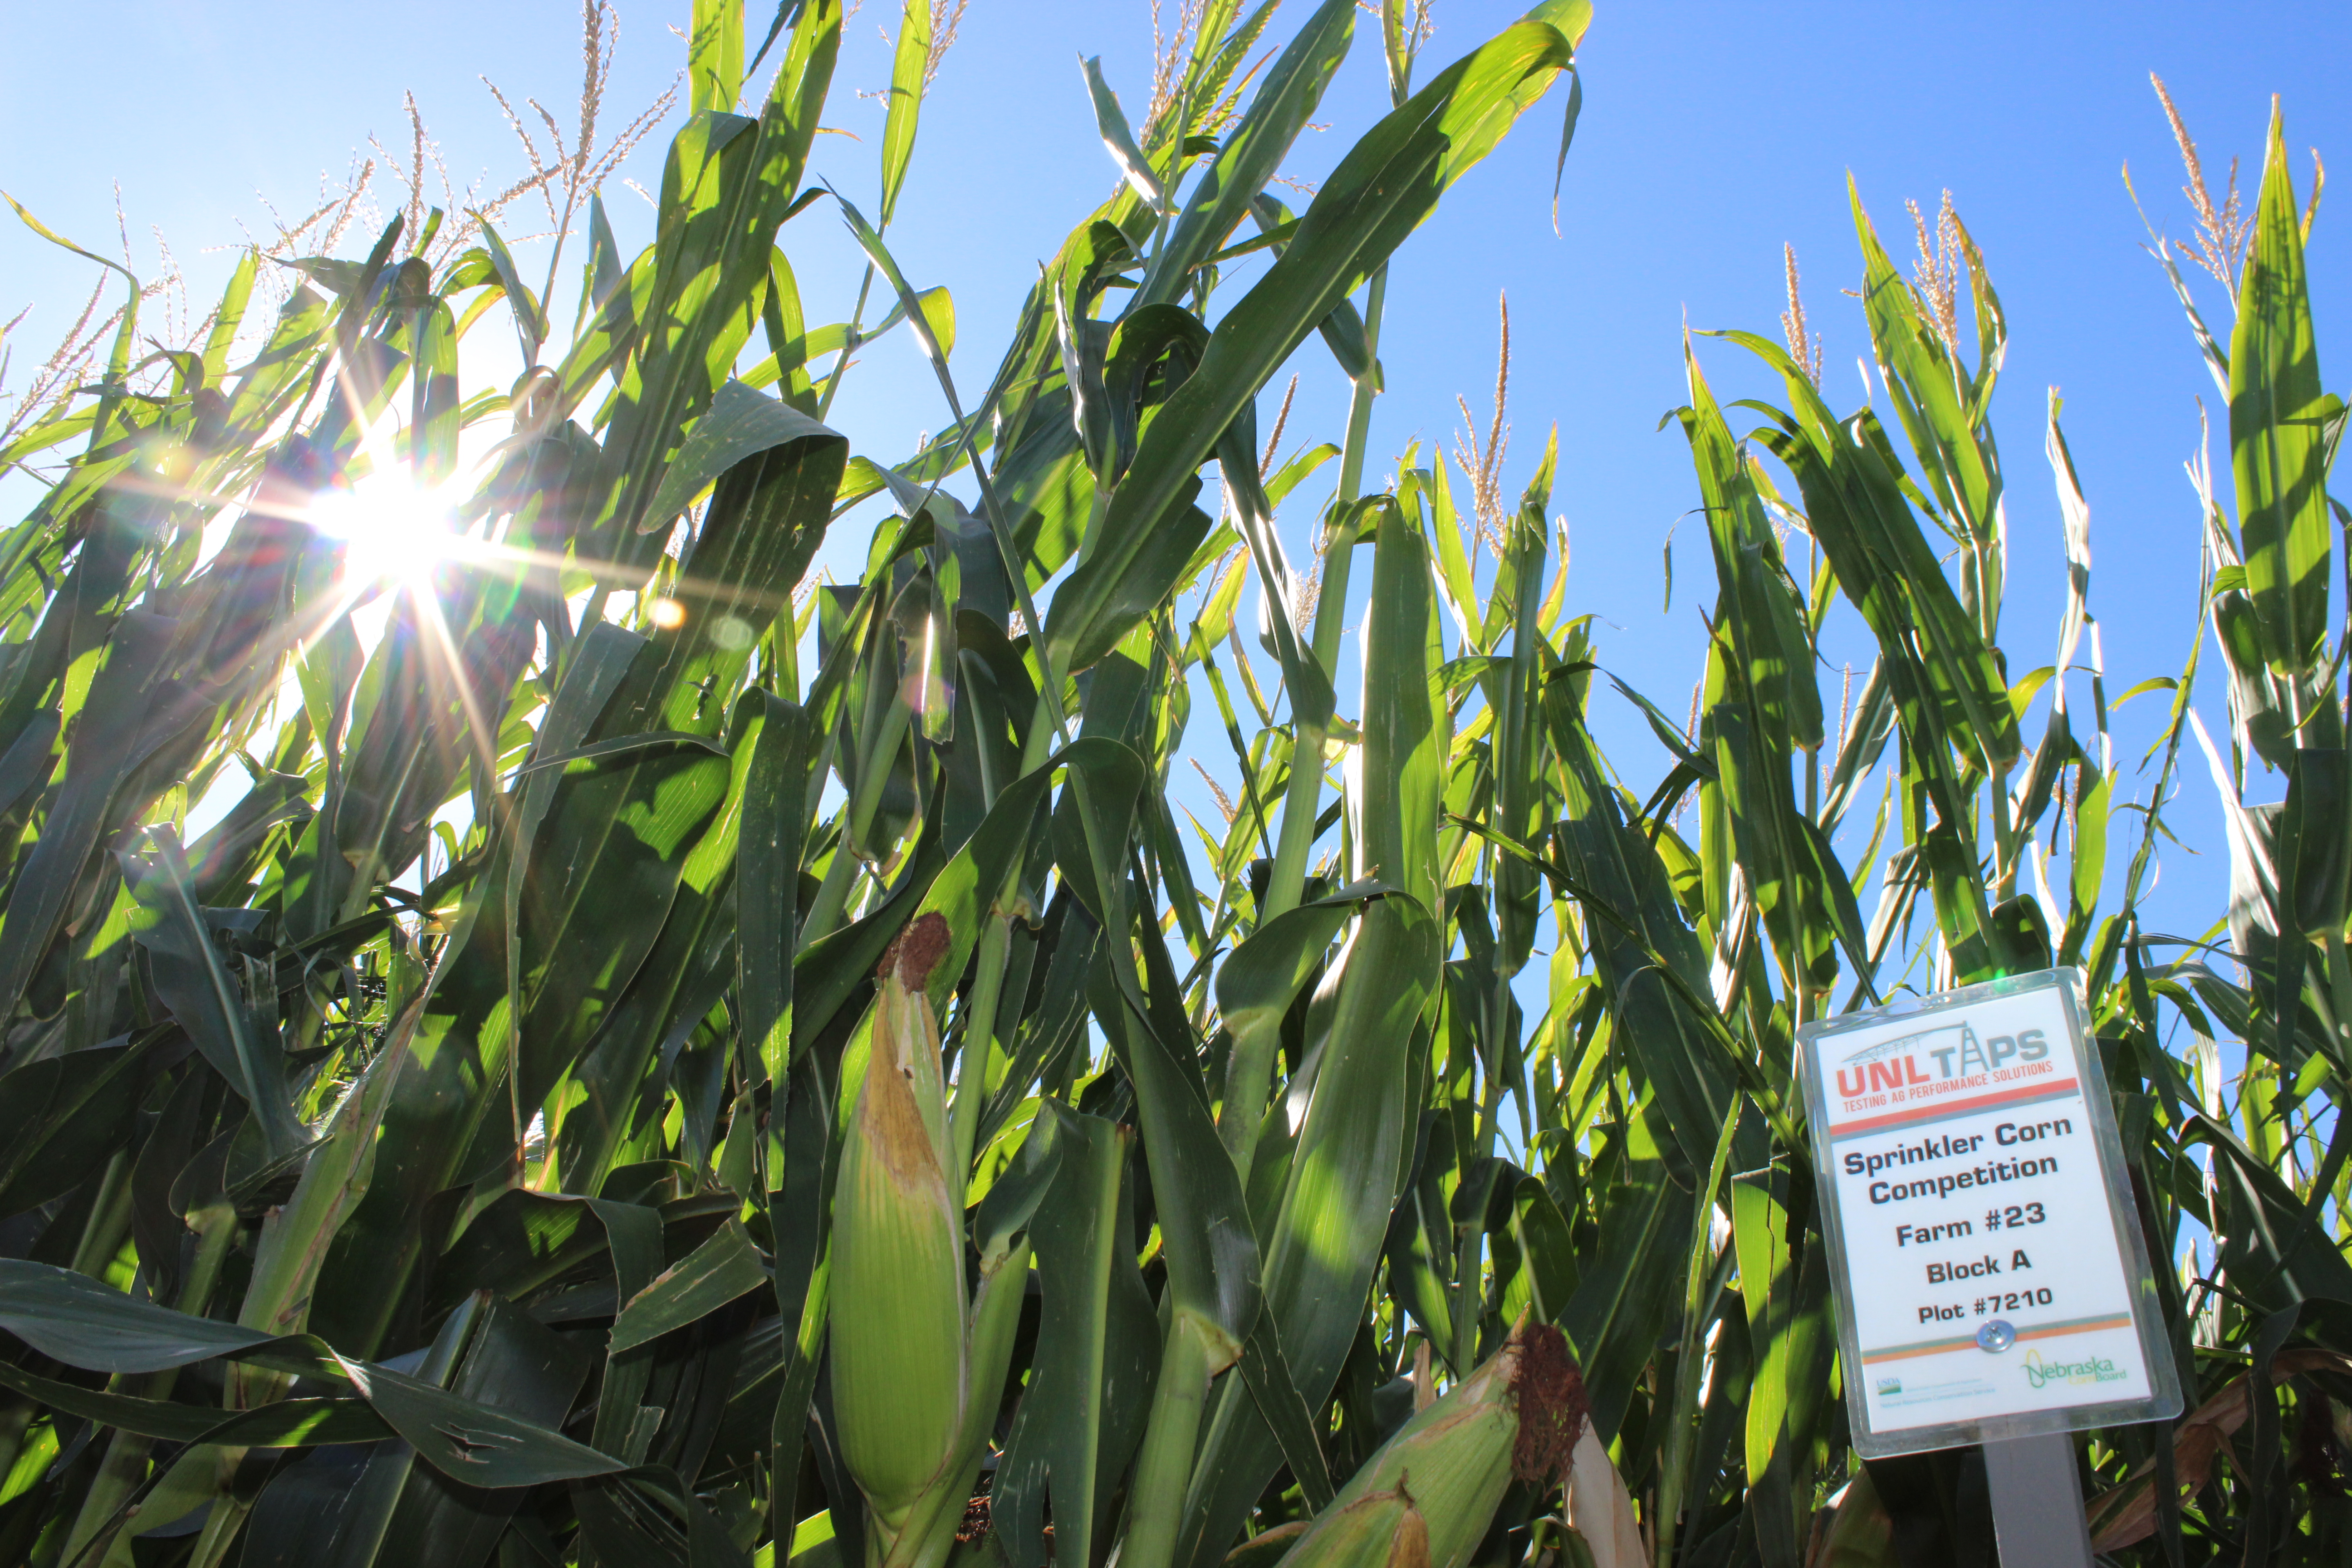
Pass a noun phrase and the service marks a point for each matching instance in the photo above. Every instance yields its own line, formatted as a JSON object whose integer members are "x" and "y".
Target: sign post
{"x": 1993, "y": 1284}
{"x": 2037, "y": 1502}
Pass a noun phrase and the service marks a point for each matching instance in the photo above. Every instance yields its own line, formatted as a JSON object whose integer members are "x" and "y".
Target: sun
{"x": 392, "y": 529}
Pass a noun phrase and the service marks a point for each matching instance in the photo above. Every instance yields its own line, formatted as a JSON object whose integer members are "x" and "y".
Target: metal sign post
{"x": 2037, "y": 1502}
{"x": 1991, "y": 1281}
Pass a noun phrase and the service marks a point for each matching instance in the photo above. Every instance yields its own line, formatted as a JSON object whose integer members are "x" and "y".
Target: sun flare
{"x": 392, "y": 529}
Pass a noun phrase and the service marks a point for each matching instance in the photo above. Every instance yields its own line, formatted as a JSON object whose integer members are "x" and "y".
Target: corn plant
{"x": 664, "y": 1060}
{"x": 619, "y": 1138}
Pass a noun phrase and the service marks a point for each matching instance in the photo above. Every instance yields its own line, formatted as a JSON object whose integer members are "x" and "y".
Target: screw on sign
{"x": 1937, "y": 1125}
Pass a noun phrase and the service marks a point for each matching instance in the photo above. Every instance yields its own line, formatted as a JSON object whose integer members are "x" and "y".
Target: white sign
{"x": 1990, "y": 1276}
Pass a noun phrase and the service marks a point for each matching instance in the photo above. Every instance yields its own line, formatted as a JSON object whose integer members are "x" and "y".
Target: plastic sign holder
{"x": 1993, "y": 1284}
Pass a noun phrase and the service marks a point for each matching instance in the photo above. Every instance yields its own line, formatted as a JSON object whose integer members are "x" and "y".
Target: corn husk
{"x": 898, "y": 1369}
{"x": 1377, "y": 1530}
{"x": 1601, "y": 1510}
{"x": 1435, "y": 1485}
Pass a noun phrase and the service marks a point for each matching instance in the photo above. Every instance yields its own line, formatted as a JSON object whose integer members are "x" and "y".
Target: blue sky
{"x": 1711, "y": 134}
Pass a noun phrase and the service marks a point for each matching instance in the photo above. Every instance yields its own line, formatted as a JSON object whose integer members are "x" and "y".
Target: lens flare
{"x": 392, "y": 529}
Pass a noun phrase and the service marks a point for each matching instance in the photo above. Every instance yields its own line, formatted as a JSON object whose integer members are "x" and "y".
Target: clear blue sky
{"x": 1711, "y": 133}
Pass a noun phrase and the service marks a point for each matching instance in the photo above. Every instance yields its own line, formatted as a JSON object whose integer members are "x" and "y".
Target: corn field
{"x": 669, "y": 1060}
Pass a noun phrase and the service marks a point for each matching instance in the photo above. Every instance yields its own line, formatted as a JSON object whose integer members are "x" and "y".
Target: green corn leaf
{"x": 363, "y": 1518}
{"x": 737, "y": 424}
{"x": 958, "y": 890}
{"x": 522, "y": 1240}
{"x": 654, "y": 741}
{"x": 1274, "y": 1391}
{"x": 288, "y": 1424}
{"x": 633, "y": 1233}
{"x": 1253, "y": 148}
{"x": 1256, "y": 986}
{"x": 1932, "y": 397}
{"x": 99, "y": 749}
{"x": 2278, "y": 418}
{"x": 714, "y": 60}
{"x": 649, "y": 1514}
{"x": 1078, "y": 1425}
{"x": 832, "y": 969}
{"x": 1420, "y": 1245}
{"x": 1515, "y": 699}
{"x": 82, "y": 1322}
{"x": 1352, "y": 1151}
{"x": 1113, "y": 592}
{"x": 937, "y": 307}
{"x": 471, "y": 1443}
{"x": 767, "y": 878}
{"x": 1783, "y": 1283}
{"x": 799, "y": 1208}
{"x": 1382, "y": 189}
{"x": 680, "y": 981}
{"x": 1540, "y": 1265}
{"x": 910, "y": 74}
{"x": 228, "y": 316}
{"x": 511, "y": 1363}
{"x": 1401, "y": 795}
{"x": 207, "y": 1000}
{"x": 627, "y": 833}
{"x": 530, "y": 318}
{"x": 61, "y": 1118}
{"x": 2279, "y": 1249}
{"x": 1616, "y": 863}
{"x": 1110, "y": 123}
{"x": 86, "y": 1324}
{"x": 1763, "y": 612}
{"x": 720, "y": 1269}
{"x": 725, "y": 189}
{"x": 1631, "y": 1285}
{"x": 1886, "y": 567}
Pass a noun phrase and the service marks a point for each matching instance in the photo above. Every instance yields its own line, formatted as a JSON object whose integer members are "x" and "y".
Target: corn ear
{"x": 926, "y": 1534}
{"x": 1265, "y": 1549}
{"x": 1378, "y": 1529}
{"x": 899, "y": 1358}
{"x": 1519, "y": 1415}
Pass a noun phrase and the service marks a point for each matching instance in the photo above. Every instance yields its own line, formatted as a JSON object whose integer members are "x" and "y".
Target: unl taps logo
{"x": 1954, "y": 1049}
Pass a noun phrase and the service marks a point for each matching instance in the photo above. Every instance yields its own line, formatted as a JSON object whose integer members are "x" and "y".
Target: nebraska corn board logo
{"x": 2043, "y": 1373}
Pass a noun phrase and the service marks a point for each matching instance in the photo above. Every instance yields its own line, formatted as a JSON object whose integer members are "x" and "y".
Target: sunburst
{"x": 392, "y": 529}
